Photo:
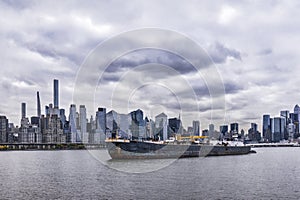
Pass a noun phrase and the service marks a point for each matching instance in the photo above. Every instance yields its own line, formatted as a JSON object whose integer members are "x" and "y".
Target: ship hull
{"x": 145, "y": 150}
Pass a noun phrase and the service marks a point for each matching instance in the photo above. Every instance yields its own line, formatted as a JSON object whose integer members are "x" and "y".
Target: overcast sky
{"x": 254, "y": 46}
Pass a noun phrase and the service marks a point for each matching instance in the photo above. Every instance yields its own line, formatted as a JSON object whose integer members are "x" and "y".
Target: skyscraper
{"x": 83, "y": 123}
{"x": 174, "y": 126}
{"x": 23, "y": 110}
{"x": 161, "y": 125}
{"x": 234, "y": 128}
{"x": 55, "y": 93}
{"x": 196, "y": 128}
{"x": 276, "y": 129}
{"x": 3, "y": 129}
{"x": 72, "y": 121}
{"x": 38, "y": 103}
{"x": 224, "y": 129}
{"x": 100, "y": 125}
{"x": 266, "y": 128}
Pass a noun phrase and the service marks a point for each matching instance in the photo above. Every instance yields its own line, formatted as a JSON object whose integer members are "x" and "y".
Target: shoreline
{"x": 50, "y": 147}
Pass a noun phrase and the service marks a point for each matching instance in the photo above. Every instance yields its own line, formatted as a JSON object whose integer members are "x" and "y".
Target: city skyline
{"x": 257, "y": 55}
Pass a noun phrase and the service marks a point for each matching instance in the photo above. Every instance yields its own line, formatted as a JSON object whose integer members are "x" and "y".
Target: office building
{"x": 234, "y": 128}
{"x": 137, "y": 127}
{"x": 161, "y": 126}
{"x": 3, "y": 129}
{"x": 266, "y": 128}
{"x": 100, "y": 133}
{"x": 196, "y": 128}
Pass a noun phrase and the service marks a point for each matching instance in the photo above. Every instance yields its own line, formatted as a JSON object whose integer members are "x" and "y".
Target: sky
{"x": 251, "y": 46}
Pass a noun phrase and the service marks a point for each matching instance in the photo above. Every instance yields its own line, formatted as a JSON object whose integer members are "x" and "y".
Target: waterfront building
{"x": 253, "y": 133}
{"x": 196, "y": 128}
{"x": 205, "y": 132}
{"x": 137, "y": 127}
{"x": 150, "y": 127}
{"x": 211, "y": 128}
{"x": 224, "y": 129}
{"x": 285, "y": 114}
{"x": 291, "y": 131}
{"x": 234, "y": 128}
{"x": 276, "y": 129}
{"x": 3, "y": 129}
{"x": 100, "y": 132}
{"x": 118, "y": 123}
{"x": 54, "y": 132}
{"x": 161, "y": 126}
{"x": 174, "y": 126}
{"x": 266, "y": 128}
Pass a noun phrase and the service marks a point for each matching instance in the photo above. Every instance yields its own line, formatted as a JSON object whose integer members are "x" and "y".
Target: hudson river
{"x": 272, "y": 173}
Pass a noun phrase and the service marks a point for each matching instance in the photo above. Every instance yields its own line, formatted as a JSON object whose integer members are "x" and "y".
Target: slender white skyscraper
{"x": 83, "y": 124}
{"x": 72, "y": 121}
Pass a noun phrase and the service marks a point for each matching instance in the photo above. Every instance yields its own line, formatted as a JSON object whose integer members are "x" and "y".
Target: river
{"x": 271, "y": 173}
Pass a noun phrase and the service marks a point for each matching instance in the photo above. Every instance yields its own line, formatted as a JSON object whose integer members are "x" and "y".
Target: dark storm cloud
{"x": 146, "y": 56}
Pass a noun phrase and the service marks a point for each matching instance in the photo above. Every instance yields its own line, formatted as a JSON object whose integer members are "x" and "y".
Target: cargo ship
{"x": 139, "y": 149}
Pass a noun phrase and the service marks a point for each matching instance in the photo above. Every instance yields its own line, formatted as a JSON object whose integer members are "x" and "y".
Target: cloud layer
{"x": 253, "y": 45}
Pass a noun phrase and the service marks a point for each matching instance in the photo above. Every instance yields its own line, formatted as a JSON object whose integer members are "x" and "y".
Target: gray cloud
{"x": 255, "y": 51}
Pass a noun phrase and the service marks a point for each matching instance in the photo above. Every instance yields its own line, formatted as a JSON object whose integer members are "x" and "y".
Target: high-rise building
{"x": 266, "y": 128}
{"x": 175, "y": 126}
{"x": 253, "y": 133}
{"x": 72, "y": 123}
{"x": 224, "y": 129}
{"x": 23, "y": 111}
{"x": 196, "y": 128}
{"x": 276, "y": 129}
{"x": 291, "y": 131}
{"x": 83, "y": 124}
{"x": 38, "y": 104}
{"x": 161, "y": 125}
{"x": 24, "y": 119}
{"x": 234, "y": 128}
{"x": 285, "y": 114}
{"x": 55, "y": 93}
{"x": 137, "y": 126}
{"x": 3, "y": 129}
{"x": 211, "y": 128}
{"x": 100, "y": 134}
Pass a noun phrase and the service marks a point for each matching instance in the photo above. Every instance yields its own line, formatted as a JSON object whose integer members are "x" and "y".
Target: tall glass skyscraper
{"x": 266, "y": 128}
{"x": 55, "y": 93}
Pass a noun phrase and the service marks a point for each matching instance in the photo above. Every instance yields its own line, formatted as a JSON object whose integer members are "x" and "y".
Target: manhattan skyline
{"x": 255, "y": 52}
